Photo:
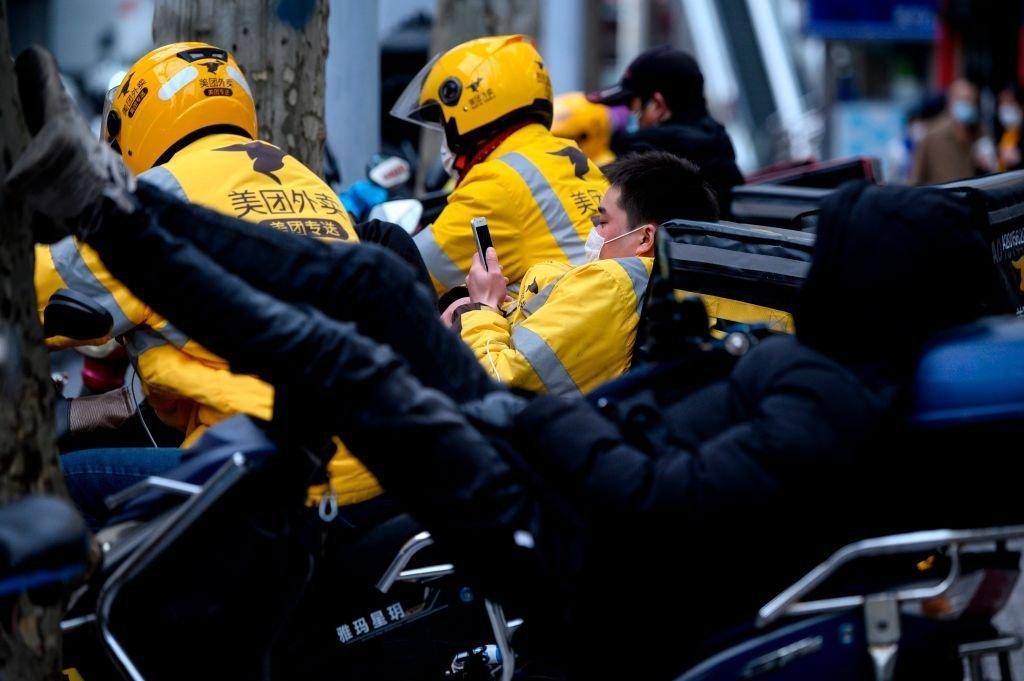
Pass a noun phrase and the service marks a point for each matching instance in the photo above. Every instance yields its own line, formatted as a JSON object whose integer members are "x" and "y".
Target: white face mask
{"x": 1010, "y": 115}
{"x": 633, "y": 122}
{"x": 595, "y": 242}
{"x": 964, "y": 112}
{"x": 447, "y": 159}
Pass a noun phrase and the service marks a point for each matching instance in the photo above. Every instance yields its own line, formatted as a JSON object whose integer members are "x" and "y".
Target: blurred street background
{"x": 790, "y": 79}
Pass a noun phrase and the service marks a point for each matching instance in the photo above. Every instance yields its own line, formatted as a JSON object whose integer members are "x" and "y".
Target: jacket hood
{"x": 893, "y": 266}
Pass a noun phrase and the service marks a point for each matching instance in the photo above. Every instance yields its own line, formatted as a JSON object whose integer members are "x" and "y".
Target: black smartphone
{"x": 482, "y": 234}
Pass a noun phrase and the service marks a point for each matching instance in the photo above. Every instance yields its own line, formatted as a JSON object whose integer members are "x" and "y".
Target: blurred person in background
{"x": 664, "y": 90}
{"x": 1010, "y": 115}
{"x": 918, "y": 119}
{"x": 587, "y": 124}
{"x": 954, "y": 148}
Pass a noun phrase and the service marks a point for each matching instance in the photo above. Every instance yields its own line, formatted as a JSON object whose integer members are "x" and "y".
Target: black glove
{"x": 64, "y": 173}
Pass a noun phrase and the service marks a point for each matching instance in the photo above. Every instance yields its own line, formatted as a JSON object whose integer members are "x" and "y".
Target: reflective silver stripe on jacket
{"x": 535, "y": 303}
{"x": 437, "y": 261}
{"x": 544, "y": 361}
{"x": 173, "y": 335}
{"x": 558, "y": 221}
{"x": 638, "y": 275}
{"x": 162, "y": 178}
{"x": 71, "y": 267}
{"x": 141, "y": 339}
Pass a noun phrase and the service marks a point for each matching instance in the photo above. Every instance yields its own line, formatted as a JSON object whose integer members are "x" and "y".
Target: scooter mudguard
{"x": 824, "y": 647}
{"x": 834, "y": 647}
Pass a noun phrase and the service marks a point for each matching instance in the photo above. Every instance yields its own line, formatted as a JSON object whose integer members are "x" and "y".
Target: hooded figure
{"x": 893, "y": 266}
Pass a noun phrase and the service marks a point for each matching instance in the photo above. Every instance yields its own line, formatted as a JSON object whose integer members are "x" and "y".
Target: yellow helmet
{"x": 478, "y": 88}
{"x": 173, "y": 96}
{"x": 586, "y": 123}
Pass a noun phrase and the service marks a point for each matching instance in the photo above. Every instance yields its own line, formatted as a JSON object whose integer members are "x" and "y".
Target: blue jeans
{"x": 94, "y": 474}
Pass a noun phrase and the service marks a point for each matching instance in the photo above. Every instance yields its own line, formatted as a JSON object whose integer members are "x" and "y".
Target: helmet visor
{"x": 109, "y": 129}
{"x": 412, "y": 107}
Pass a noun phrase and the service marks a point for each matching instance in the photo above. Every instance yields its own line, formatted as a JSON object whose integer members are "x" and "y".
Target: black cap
{"x": 673, "y": 73}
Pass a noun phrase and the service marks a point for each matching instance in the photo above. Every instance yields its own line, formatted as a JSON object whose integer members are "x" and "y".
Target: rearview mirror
{"x": 75, "y": 315}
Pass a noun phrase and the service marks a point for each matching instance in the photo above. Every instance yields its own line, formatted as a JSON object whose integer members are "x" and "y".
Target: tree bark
{"x": 30, "y": 640}
{"x": 460, "y": 20}
{"x": 281, "y": 46}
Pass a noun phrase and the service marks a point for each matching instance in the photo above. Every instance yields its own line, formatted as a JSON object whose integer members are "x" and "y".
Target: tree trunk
{"x": 30, "y": 641}
{"x": 281, "y": 46}
{"x": 460, "y": 20}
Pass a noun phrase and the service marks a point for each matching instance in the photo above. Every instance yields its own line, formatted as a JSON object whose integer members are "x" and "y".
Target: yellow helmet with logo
{"x": 173, "y": 96}
{"x": 478, "y": 88}
{"x": 586, "y": 123}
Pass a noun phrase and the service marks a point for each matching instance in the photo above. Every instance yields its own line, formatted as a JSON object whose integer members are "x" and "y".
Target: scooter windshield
{"x": 109, "y": 129}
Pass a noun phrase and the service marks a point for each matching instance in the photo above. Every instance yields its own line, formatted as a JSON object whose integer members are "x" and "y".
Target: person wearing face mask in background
{"x": 664, "y": 89}
{"x": 919, "y": 118}
{"x": 491, "y": 98}
{"x": 953, "y": 148}
{"x": 1011, "y": 149}
{"x": 572, "y": 328}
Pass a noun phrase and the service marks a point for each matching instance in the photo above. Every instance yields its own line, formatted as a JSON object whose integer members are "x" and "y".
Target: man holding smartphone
{"x": 572, "y": 328}
{"x": 491, "y": 99}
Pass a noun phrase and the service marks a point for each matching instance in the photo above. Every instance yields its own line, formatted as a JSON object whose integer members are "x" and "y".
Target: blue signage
{"x": 894, "y": 20}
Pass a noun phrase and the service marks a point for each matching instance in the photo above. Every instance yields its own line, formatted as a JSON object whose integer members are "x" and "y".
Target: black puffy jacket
{"x": 712, "y": 507}
{"x": 700, "y": 139}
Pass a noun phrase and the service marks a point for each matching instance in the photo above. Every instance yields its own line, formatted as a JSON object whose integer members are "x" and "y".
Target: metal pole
{"x": 781, "y": 76}
{"x": 631, "y": 37}
{"x": 352, "y": 100}
{"x": 562, "y": 43}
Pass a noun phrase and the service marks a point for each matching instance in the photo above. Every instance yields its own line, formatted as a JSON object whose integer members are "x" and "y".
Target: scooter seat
{"x": 238, "y": 434}
{"x": 973, "y": 375}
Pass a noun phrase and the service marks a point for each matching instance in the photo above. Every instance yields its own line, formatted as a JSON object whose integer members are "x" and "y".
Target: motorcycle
{"x": 386, "y": 194}
{"x": 231, "y": 569}
{"x": 221, "y": 558}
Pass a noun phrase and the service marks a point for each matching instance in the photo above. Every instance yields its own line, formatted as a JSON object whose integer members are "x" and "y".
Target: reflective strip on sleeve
{"x": 535, "y": 303}
{"x": 437, "y": 261}
{"x": 162, "y": 178}
{"x": 71, "y": 267}
{"x": 638, "y": 274}
{"x": 141, "y": 339}
{"x": 559, "y": 224}
{"x": 173, "y": 335}
{"x": 544, "y": 361}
